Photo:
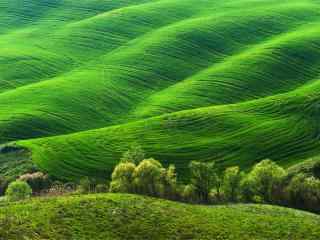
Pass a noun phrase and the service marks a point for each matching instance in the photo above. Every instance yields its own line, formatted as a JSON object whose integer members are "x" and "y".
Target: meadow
{"x": 228, "y": 81}
{"x": 123, "y": 216}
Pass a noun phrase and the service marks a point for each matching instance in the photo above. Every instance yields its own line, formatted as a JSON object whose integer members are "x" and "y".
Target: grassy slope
{"x": 68, "y": 67}
{"x": 133, "y": 217}
{"x": 230, "y": 134}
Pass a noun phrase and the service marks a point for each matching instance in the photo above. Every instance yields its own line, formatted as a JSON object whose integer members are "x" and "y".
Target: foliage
{"x": 3, "y": 185}
{"x": 38, "y": 181}
{"x": 101, "y": 188}
{"x": 87, "y": 185}
{"x": 18, "y": 190}
{"x": 122, "y": 178}
{"x": 304, "y": 192}
{"x": 134, "y": 155}
{"x": 170, "y": 183}
{"x": 203, "y": 178}
{"x": 121, "y": 216}
{"x": 265, "y": 180}
{"x": 147, "y": 177}
{"x": 231, "y": 184}
{"x": 189, "y": 194}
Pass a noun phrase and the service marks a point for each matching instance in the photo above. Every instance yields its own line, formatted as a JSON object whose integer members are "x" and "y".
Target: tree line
{"x": 267, "y": 182}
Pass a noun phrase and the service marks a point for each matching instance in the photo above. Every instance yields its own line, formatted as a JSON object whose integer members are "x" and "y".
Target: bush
{"x": 147, "y": 177}
{"x": 3, "y": 185}
{"x": 231, "y": 184}
{"x": 38, "y": 181}
{"x": 203, "y": 178}
{"x": 134, "y": 155}
{"x": 169, "y": 183}
{"x": 304, "y": 193}
{"x": 122, "y": 178}
{"x": 18, "y": 190}
{"x": 86, "y": 186}
{"x": 189, "y": 194}
{"x": 101, "y": 188}
{"x": 265, "y": 181}
{"x": 247, "y": 190}
{"x": 216, "y": 196}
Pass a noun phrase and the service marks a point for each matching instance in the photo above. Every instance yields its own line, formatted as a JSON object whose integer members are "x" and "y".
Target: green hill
{"x": 133, "y": 217}
{"x": 233, "y": 81}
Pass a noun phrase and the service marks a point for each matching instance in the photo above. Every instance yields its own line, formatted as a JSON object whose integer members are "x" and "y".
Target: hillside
{"x": 133, "y": 217}
{"x": 231, "y": 81}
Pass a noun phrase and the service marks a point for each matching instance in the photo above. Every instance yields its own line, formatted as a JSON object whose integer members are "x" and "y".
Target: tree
{"x": 102, "y": 188}
{"x": 18, "y": 190}
{"x": 147, "y": 177}
{"x": 304, "y": 193}
{"x": 169, "y": 182}
{"x": 203, "y": 178}
{"x": 265, "y": 180}
{"x": 38, "y": 181}
{"x": 231, "y": 183}
{"x": 135, "y": 154}
{"x": 87, "y": 185}
{"x": 189, "y": 194}
{"x": 3, "y": 185}
{"x": 122, "y": 178}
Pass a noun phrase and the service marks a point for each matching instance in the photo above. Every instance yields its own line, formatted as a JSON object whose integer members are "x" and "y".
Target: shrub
{"x": 18, "y": 190}
{"x": 231, "y": 183}
{"x": 101, "y": 188}
{"x": 84, "y": 185}
{"x": 216, "y": 196}
{"x": 189, "y": 194}
{"x": 203, "y": 178}
{"x": 38, "y": 181}
{"x": 122, "y": 178}
{"x": 169, "y": 183}
{"x": 304, "y": 192}
{"x": 3, "y": 185}
{"x": 147, "y": 177}
{"x": 135, "y": 155}
{"x": 246, "y": 188}
{"x": 265, "y": 180}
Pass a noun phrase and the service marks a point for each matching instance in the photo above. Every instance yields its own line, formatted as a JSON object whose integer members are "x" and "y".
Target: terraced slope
{"x": 231, "y": 81}
{"x": 132, "y": 217}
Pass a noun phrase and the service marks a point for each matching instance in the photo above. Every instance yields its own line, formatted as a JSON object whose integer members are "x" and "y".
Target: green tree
{"x": 169, "y": 182}
{"x": 231, "y": 183}
{"x": 147, "y": 177}
{"x": 86, "y": 185}
{"x": 18, "y": 190}
{"x": 38, "y": 181}
{"x": 122, "y": 178}
{"x": 189, "y": 194}
{"x": 135, "y": 154}
{"x": 265, "y": 180}
{"x": 102, "y": 188}
{"x": 203, "y": 178}
{"x": 304, "y": 193}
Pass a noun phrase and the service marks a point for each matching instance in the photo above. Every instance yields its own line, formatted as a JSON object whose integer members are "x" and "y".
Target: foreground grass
{"x": 116, "y": 216}
{"x": 238, "y": 78}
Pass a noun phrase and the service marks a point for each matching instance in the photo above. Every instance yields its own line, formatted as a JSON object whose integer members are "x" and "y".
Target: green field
{"x": 132, "y": 217}
{"x": 234, "y": 81}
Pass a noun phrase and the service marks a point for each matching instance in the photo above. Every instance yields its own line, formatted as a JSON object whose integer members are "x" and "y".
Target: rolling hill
{"x": 133, "y": 217}
{"x": 234, "y": 81}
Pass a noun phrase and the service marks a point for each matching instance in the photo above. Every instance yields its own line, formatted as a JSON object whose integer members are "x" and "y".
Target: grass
{"x": 135, "y": 217}
{"x": 229, "y": 81}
